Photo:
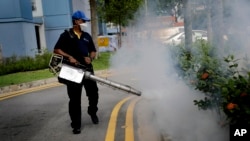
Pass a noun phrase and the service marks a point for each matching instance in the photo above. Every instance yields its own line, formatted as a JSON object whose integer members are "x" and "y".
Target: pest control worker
{"x": 77, "y": 47}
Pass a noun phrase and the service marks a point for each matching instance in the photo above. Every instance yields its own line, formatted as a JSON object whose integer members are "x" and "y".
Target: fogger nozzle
{"x": 113, "y": 84}
{"x": 55, "y": 65}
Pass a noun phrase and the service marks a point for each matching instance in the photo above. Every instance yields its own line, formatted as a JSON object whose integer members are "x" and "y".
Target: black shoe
{"x": 76, "y": 131}
{"x": 94, "y": 119}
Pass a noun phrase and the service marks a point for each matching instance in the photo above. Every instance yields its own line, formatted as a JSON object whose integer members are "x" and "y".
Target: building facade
{"x": 28, "y": 27}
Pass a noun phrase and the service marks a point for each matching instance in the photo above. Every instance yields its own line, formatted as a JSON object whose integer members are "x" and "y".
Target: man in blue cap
{"x": 77, "y": 47}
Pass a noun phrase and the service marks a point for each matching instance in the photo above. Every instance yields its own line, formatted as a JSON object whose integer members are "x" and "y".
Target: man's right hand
{"x": 73, "y": 60}
{"x": 69, "y": 57}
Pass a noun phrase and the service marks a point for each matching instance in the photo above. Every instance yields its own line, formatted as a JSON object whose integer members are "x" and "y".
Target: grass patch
{"x": 22, "y": 77}
{"x": 101, "y": 63}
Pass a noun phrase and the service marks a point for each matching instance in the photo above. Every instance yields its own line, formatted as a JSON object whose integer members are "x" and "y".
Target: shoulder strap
{"x": 71, "y": 35}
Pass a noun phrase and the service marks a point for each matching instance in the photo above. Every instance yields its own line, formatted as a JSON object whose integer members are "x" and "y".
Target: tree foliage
{"x": 118, "y": 11}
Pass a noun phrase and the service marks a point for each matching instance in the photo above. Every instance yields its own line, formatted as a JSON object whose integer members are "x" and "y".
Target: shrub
{"x": 14, "y": 64}
{"x": 226, "y": 89}
{"x": 235, "y": 90}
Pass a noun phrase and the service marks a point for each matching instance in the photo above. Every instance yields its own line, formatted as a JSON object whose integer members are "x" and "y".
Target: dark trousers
{"x": 74, "y": 92}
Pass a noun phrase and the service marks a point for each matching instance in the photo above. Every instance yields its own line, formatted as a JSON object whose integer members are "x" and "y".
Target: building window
{"x": 33, "y": 5}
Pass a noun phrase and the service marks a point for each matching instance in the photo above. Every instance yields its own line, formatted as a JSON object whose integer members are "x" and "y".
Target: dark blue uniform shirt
{"x": 72, "y": 45}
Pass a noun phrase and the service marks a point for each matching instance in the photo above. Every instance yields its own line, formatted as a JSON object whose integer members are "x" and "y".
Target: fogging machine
{"x": 79, "y": 72}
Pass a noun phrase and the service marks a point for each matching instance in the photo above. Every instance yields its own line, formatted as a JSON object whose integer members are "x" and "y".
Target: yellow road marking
{"x": 25, "y": 91}
{"x": 37, "y": 88}
{"x": 129, "y": 130}
{"x": 110, "y": 135}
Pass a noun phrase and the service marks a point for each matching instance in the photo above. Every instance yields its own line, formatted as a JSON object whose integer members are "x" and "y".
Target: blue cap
{"x": 80, "y": 15}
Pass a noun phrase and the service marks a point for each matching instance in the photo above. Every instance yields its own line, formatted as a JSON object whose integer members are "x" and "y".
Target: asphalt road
{"x": 42, "y": 115}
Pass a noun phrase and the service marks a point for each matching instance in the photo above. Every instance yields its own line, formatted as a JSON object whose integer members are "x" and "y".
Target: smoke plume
{"x": 149, "y": 64}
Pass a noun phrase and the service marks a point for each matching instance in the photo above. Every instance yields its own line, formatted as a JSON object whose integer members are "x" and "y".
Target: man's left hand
{"x": 88, "y": 60}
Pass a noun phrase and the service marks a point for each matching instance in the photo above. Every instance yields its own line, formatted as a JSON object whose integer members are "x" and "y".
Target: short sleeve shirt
{"x": 74, "y": 46}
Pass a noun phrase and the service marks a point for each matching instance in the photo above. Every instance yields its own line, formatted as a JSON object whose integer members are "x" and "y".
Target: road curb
{"x": 18, "y": 87}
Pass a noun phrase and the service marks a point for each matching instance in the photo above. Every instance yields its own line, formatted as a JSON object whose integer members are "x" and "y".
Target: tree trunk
{"x": 94, "y": 23}
{"x": 221, "y": 24}
{"x": 217, "y": 24}
{"x": 209, "y": 21}
{"x": 119, "y": 34}
{"x": 187, "y": 24}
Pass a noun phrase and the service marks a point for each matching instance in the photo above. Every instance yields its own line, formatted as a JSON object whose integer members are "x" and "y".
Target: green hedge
{"x": 14, "y": 64}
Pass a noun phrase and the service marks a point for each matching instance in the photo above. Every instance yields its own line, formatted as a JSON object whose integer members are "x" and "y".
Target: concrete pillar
{"x": 1, "y": 55}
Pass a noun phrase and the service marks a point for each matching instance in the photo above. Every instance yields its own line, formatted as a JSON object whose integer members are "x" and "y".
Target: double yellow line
{"x": 129, "y": 126}
{"x": 110, "y": 135}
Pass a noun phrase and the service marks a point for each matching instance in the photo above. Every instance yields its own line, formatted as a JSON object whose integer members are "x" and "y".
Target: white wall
{"x": 81, "y": 5}
{"x": 84, "y": 6}
{"x": 39, "y": 10}
{"x": 39, "y": 13}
